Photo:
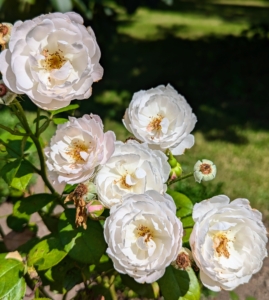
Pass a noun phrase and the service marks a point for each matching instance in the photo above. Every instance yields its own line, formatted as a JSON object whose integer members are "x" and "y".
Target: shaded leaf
{"x": 46, "y": 254}
{"x": 62, "y": 5}
{"x": 179, "y": 285}
{"x": 9, "y": 171}
{"x": 84, "y": 245}
{"x": 23, "y": 209}
{"x": 23, "y": 176}
{"x": 144, "y": 290}
{"x": 67, "y": 108}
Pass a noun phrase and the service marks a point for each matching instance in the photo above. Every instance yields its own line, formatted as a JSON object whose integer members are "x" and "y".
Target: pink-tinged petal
{"x": 7, "y": 73}
{"x": 23, "y": 74}
{"x": 19, "y": 31}
{"x": 209, "y": 283}
{"x": 109, "y": 145}
{"x": 36, "y": 35}
{"x": 187, "y": 143}
{"x": 75, "y": 17}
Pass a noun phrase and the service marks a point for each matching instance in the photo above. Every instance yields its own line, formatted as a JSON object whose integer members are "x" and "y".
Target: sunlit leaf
{"x": 67, "y": 108}
{"x": 58, "y": 121}
{"x": 12, "y": 285}
{"x": 46, "y": 254}
{"x": 183, "y": 203}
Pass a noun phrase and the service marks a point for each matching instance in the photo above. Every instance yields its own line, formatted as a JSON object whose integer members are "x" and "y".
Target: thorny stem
{"x": 21, "y": 116}
{"x": 37, "y": 122}
{"x": 112, "y": 288}
{"x": 180, "y": 178}
{"x": 12, "y": 131}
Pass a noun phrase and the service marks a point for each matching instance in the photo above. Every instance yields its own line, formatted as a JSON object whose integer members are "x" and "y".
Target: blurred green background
{"x": 214, "y": 52}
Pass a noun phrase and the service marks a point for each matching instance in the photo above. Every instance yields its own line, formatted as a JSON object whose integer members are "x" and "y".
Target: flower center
{"x": 221, "y": 245}
{"x": 75, "y": 150}
{"x": 155, "y": 123}
{"x": 124, "y": 183}
{"x": 3, "y": 90}
{"x": 144, "y": 231}
{"x": 205, "y": 169}
{"x": 53, "y": 60}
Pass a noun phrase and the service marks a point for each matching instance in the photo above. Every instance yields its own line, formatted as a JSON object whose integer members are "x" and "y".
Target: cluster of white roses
{"x": 54, "y": 59}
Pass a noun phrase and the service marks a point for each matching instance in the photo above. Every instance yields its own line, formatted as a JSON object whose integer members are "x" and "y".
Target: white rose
{"x": 53, "y": 59}
{"x": 228, "y": 242}
{"x": 77, "y": 148}
{"x": 133, "y": 168}
{"x": 162, "y": 118}
{"x": 143, "y": 235}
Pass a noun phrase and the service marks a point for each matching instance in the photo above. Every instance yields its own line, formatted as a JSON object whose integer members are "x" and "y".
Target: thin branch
{"x": 179, "y": 178}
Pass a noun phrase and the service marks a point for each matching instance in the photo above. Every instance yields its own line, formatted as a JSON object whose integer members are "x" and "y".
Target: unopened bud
{"x": 94, "y": 208}
{"x": 6, "y": 96}
{"x": 176, "y": 172}
{"x": 91, "y": 193}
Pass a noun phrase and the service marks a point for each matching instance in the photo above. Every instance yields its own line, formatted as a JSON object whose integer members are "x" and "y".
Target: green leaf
{"x": 86, "y": 246}
{"x": 183, "y": 203}
{"x": 67, "y": 108}
{"x": 186, "y": 236}
{"x": 18, "y": 291}
{"x": 46, "y": 254}
{"x": 23, "y": 209}
{"x": 233, "y": 296}
{"x": 187, "y": 222}
{"x": 23, "y": 176}
{"x": 58, "y": 121}
{"x": 69, "y": 188}
{"x": 16, "y": 148}
{"x": 64, "y": 276}
{"x": 9, "y": 171}
{"x": 179, "y": 285}
{"x": 33, "y": 203}
{"x": 144, "y": 290}
{"x": 12, "y": 285}
{"x": 62, "y": 5}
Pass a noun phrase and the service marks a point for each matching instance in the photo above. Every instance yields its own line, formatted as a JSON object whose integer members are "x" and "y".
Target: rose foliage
{"x": 122, "y": 230}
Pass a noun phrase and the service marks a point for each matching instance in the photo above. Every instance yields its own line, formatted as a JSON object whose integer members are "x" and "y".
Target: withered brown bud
{"x": 183, "y": 261}
{"x": 77, "y": 197}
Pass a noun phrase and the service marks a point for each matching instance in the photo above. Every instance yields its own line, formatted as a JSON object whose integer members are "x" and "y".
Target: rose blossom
{"x": 77, "y": 148}
{"x": 161, "y": 117}
{"x": 228, "y": 242}
{"x": 53, "y": 59}
{"x": 6, "y": 96}
{"x": 143, "y": 235}
{"x": 133, "y": 168}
